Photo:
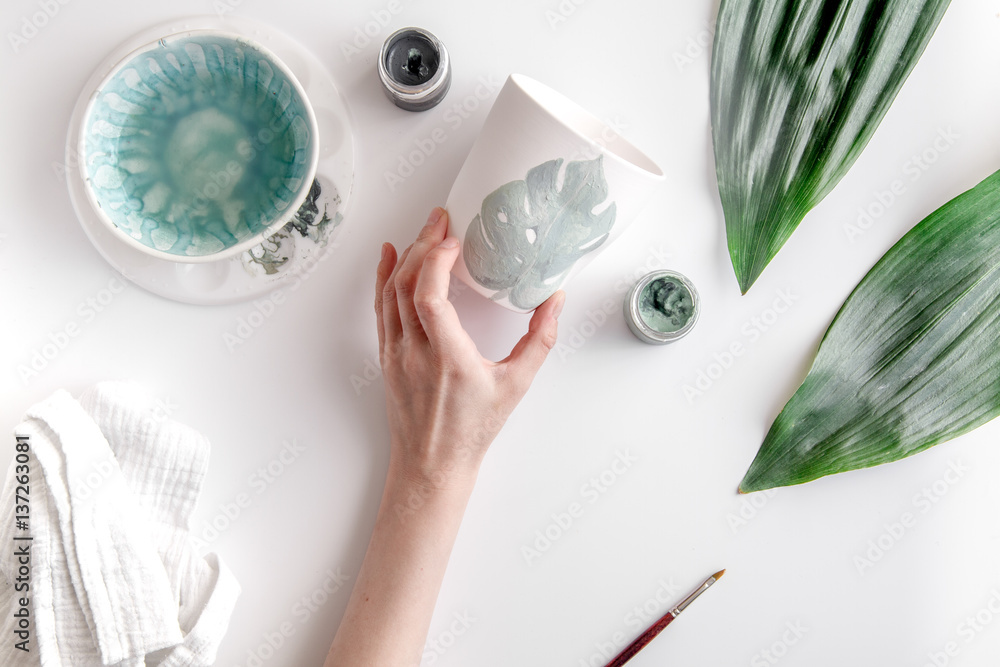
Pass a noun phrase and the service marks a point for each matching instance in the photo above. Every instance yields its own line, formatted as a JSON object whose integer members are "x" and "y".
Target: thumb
{"x": 530, "y": 352}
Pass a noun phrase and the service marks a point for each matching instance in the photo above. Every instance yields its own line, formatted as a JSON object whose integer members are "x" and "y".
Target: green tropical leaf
{"x": 530, "y": 233}
{"x": 910, "y": 361}
{"x": 798, "y": 88}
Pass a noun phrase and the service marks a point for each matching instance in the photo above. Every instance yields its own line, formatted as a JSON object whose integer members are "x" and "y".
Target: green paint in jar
{"x": 661, "y": 307}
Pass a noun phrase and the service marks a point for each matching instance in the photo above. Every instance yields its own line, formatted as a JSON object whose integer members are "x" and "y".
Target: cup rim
{"x": 538, "y": 92}
{"x": 246, "y": 244}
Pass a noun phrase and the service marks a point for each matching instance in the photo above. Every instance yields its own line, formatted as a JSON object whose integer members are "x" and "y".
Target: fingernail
{"x": 385, "y": 251}
{"x": 450, "y": 242}
{"x": 435, "y": 215}
{"x": 560, "y": 302}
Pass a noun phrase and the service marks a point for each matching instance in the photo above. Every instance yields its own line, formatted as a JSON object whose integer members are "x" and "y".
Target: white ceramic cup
{"x": 545, "y": 188}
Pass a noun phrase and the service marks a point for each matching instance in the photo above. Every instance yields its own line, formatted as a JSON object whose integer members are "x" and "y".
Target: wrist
{"x": 454, "y": 475}
{"x": 432, "y": 499}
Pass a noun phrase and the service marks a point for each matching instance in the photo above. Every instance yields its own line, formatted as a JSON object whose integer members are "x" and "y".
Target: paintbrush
{"x": 656, "y": 628}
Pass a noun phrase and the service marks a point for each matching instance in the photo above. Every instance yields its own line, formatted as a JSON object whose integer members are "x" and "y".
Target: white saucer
{"x": 297, "y": 248}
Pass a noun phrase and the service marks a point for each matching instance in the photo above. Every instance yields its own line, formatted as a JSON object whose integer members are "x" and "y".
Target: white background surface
{"x": 672, "y": 516}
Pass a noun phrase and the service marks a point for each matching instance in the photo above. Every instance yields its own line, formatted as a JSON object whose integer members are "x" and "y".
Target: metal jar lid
{"x": 414, "y": 68}
{"x": 633, "y": 308}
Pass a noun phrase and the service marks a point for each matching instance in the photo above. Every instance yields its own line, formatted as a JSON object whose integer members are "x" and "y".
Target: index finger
{"x": 405, "y": 280}
{"x": 430, "y": 300}
{"x": 385, "y": 266}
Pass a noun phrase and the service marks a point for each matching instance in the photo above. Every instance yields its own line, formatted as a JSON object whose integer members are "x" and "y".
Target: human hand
{"x": 445, "y": 402}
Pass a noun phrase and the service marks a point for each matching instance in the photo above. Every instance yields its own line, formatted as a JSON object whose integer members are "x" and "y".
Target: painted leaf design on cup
{"x": 529, "y": 234}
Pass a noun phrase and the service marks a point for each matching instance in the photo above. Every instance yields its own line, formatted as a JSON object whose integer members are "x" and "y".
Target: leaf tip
{"x": 751, "y": 483}
{"x": 746, "y": 282}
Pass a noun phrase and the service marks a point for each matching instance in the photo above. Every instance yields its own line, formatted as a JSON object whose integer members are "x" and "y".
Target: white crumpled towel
{"x": 115, "y": 577}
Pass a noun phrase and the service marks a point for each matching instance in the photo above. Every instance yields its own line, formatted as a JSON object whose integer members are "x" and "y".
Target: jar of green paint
{"x": 661, "y": 307}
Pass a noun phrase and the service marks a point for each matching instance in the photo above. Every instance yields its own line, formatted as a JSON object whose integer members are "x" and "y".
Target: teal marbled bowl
{"x": 198, "y": 146}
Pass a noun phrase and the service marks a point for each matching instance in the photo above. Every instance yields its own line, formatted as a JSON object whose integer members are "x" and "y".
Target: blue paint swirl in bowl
{"x": 198, "y": 146}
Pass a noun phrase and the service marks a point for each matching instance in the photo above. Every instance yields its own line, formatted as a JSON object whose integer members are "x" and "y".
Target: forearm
{"x": 389, "y": 612}
{"x": 445, "y": 403}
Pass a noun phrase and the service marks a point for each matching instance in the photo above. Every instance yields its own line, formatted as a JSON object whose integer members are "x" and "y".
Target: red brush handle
{"x": 640, "y": 643}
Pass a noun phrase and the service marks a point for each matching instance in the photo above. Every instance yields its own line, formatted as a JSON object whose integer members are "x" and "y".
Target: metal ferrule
{"x": 691, "y": 598}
